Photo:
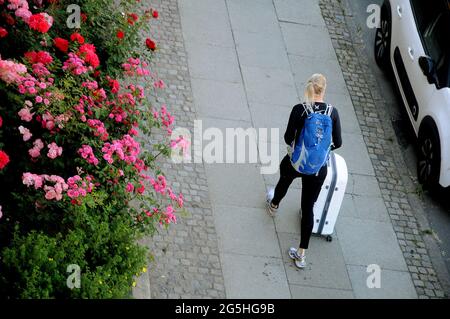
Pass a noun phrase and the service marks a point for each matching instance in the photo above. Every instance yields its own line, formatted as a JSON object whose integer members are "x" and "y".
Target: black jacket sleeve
{"x": 337, "y": 137}
{"x": 293, "y": 124}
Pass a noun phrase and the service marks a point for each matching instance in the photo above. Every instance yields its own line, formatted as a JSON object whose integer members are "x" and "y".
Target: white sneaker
{"x": 271, "y": 209}
{"x": 299, "y": 260}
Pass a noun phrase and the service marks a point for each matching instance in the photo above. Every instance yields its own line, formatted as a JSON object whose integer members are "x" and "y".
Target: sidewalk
{"x": 247, "y": 63}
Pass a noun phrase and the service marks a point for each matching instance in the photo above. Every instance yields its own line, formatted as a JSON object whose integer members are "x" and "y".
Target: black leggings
{"x": 311, "y": 186}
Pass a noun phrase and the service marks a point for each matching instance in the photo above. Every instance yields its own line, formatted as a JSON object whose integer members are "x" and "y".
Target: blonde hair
{"x": 316, "y": 85}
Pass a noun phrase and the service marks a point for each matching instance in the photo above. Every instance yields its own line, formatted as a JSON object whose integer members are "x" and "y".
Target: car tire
{"x": 429, "y": 158}
{"x": 382, "y": 47}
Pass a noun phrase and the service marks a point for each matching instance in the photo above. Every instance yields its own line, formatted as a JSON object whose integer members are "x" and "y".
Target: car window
{"x": 438, "y": 47}
{"x": 433, "y": 23}
{"x": 425, "y": 13}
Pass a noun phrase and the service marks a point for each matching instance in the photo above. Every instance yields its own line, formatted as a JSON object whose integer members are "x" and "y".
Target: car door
{"x": 414, "y": 18}
{"x": 438, "y": 46}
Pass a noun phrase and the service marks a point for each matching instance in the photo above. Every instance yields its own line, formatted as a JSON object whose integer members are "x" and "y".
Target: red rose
{"x": 115, "y": 86}
{"x": 87, "y": 52}
{"x": 87, "y": 48}
{"x": 41, "y": 22}
{"x": 132, "y": 18}
{"x": 39, "y": 57}
{"x": 92, "y": 59}
{"x": 77, "y": 37}
{"x": 4, "y": 159}
{"x": 3, "y": 32}
{"x": 120, "y": 34}
{"x": 1, "y": 121}
{"x": 155, "y": 14}
{"x": 44, "y": 57}
{"x": 61, "y": 44}
{"x": 150, "y": 44}
{"x": 83, "y": 17}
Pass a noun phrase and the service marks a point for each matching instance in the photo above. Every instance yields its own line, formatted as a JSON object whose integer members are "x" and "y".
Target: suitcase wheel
{"x": 329, "y": 238}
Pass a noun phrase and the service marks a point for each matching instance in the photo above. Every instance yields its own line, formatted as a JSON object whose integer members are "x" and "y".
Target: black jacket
{"x": 297, "y": 121}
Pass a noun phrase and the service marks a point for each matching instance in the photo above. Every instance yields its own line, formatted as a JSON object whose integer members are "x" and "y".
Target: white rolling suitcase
{"x": 328, "y": 205}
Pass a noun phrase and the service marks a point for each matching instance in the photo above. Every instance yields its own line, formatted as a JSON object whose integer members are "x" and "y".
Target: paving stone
{"x": 249, "y": 277}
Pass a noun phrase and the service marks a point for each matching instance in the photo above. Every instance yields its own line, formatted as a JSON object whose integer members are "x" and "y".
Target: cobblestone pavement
{"x": 186, "y": 259}
{"x": 390, "y": 170}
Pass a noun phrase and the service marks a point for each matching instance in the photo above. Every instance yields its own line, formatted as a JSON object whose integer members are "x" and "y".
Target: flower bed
{"x": 70, "y": 157}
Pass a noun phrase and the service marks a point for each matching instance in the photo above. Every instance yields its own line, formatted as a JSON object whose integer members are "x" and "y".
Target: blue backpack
{"x": 312, "y": 147}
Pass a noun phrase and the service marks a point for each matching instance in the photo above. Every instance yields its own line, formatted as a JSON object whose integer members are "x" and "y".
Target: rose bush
{"x": 74, "y": 111}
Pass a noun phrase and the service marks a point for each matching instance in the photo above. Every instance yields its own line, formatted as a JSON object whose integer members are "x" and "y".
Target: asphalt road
{"x": 436, "y": 203}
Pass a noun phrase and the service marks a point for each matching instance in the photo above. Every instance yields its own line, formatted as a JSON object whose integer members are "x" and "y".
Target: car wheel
{"x": 383, "y": 40}
{"x": 429, "y": 161}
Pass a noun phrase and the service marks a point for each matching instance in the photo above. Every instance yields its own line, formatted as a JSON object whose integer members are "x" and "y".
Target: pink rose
{"x": 54, "y": 150}
{"x": 25, "y": 114}
{"x": 130, "y": 188}
{"x": 34, "y": 152}
{"x": 25, "y": 132}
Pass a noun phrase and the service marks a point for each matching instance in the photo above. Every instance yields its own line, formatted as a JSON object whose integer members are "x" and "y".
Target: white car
{"x": 414, "y": 39}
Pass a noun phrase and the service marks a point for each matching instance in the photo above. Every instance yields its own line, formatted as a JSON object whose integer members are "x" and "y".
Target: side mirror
{"x": 427, "y": 65}
{"x": 428, "y": 68}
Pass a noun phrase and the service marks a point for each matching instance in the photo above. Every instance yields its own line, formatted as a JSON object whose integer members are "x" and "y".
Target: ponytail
{"x": 316, "y": 85}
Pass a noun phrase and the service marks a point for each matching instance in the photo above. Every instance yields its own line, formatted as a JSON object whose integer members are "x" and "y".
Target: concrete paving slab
{"x": 257, "y": 16}
{"x": 394, "y": 284}
{"x": 271, "y": 116}
{"x": 355, "y": 153}
{"x": 348, "y": 206}
{"x": 223, "y": 124}
{"x": 363, "y": 185}
{"x": 306, "y": 40}
{"x": 349, "y": 122}
{"x": 299, "y": 11}
{"x": 249, "y": 277}
{"x": 343, "y": 103}
{"x": 325, "y": 263}
{"x": 220, "y": 99}
{"x": 226, "y": 131}
{"x": 272, "y": 179}
{"x": 269, "y": 86}
{"x": 237, "y": 227}
{"x": 204, "y": 21}
{"x": 305, "y": 292}
{"x": 237, "y": 184}
{"x": 365, "y": 208}
{"x": 287, "y": 219}
{"x": 305, "y": 66}
{"x": 366, "y": 242}
{"x": 213, "y": 63}
{"x": 266, "y": 50}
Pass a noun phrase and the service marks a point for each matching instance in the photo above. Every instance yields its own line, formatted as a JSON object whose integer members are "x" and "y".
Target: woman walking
{"x": 311, "y": 184}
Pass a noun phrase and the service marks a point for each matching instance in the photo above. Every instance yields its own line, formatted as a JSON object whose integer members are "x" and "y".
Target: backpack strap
{"x": 329, "y": 110}
{"x": 308, "y": 109}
